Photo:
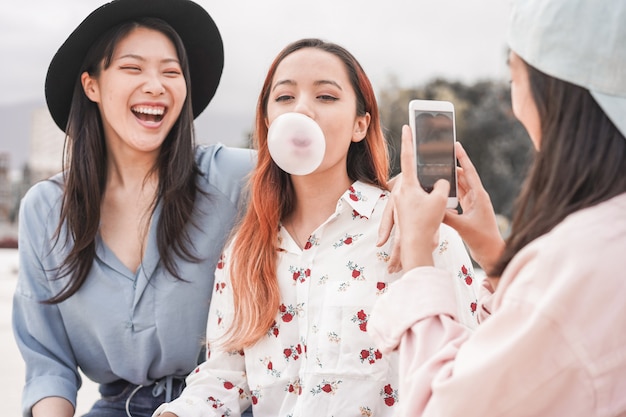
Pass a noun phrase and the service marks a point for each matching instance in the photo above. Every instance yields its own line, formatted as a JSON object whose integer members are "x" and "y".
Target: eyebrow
{"x": 316, "y": 83}
{"x": 141, "y": 58}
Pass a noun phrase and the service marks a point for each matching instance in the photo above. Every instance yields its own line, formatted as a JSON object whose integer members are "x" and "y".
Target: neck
{"x": 316, "y": 200}
{"x": 130, "y": 173}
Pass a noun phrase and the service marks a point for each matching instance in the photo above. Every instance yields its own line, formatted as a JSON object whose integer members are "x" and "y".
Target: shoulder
{"x": 580, "y": 256}
{"x": 603, "y": 222}
{"x": 215, "y": 161}
{"x": 571, "y": 274}
{"x": 592, "y": 238}
{"x": 42, "y": 197}
{"x": 224, "y": 169}
{"x": 39, "y": 216}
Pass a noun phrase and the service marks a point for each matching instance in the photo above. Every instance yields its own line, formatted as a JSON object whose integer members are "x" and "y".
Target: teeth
{"x": 156, "y": 111}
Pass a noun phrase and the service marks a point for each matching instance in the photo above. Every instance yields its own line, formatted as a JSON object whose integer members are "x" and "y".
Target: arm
{"x": 219, "y": 385}
{"x": 517, "y": 363}
{"x": 39, "y": 330}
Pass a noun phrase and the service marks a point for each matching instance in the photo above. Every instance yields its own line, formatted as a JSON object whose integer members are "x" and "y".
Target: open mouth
{"x": 153, "y": 114}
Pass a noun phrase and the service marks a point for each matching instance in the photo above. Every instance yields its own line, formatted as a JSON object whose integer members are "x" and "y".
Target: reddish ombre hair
{"x": 255, "y": 246}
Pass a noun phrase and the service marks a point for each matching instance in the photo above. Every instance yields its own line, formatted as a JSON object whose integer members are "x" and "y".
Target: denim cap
{"x": 579, "y": 41}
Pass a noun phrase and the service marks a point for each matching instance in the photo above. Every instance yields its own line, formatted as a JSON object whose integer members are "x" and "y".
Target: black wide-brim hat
{"x": 191, "y": 21}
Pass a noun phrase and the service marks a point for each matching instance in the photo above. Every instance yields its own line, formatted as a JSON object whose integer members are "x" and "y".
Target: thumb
{"x": 453, "y": 219}
{"x": 441, "y": 188}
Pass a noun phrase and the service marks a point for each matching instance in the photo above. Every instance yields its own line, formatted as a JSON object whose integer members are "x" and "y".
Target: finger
{"x": 386, "y": 223}
{"x": 394, "y": 264}
{"x": 395, "y": 258}
{"x": 461, "y": 183}
{"x": 469, "y": 171}
{"x": 407, "y": 159}
{"x": 441, "y": 189}
{"x": 460, "y": 177}
{"x": 453, "y": 219}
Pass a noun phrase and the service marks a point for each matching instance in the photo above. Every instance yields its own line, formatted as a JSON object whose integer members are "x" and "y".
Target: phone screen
{"x": 434, "y": 139}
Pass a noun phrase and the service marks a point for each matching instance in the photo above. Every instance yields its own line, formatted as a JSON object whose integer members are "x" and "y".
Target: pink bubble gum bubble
{"x": 296, "y": 143}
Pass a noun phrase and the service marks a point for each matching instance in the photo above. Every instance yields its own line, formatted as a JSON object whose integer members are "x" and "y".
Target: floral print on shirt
{"x": 317, "y": 356}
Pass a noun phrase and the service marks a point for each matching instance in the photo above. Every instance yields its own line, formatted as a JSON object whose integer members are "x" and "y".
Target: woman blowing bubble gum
{"x": 287, "y": 326}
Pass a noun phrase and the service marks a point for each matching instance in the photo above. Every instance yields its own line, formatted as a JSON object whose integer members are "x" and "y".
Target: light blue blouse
{"x": 140, "y": 326}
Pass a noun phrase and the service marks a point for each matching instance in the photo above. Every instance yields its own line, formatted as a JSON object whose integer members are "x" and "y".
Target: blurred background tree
{"x": 495, "y": 141}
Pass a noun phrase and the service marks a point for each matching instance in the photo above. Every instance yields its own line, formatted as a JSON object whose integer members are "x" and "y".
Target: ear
{"x": 360, "y": 127}
{"x": 90, "y": 87}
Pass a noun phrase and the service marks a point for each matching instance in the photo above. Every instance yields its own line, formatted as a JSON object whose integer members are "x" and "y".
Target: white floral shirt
{"x": 318, "y": 358}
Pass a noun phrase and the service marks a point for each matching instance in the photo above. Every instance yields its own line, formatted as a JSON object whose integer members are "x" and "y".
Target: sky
{"x": 407, "y": 41}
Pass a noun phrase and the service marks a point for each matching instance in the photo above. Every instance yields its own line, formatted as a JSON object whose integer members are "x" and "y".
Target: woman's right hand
{"x": 477, "y": 224}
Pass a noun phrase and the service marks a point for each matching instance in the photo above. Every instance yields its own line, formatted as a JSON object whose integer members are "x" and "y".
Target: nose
{"x": 303, "y": 106}
{"x": 153, "y": 85}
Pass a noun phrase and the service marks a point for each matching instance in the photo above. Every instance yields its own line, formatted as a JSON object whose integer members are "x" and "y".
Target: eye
{"x": 283, "y": 97}
{"x": 173, "y": 72}
{"x": 327, "y": 97}
{"x": 131, "y": 68}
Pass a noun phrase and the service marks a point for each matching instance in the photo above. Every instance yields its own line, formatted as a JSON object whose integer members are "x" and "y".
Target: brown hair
{"x": 582, "y": 162}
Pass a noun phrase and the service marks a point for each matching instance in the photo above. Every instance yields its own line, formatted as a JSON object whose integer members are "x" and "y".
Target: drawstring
{"x": 132, "y": 394}
{"x": 165, "y": 384}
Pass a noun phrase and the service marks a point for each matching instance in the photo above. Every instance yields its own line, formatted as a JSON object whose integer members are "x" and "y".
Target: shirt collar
{"x": 362, "y": 198}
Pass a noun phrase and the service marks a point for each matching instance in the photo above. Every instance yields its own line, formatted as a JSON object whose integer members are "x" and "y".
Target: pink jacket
{"x": 554, "y": 344}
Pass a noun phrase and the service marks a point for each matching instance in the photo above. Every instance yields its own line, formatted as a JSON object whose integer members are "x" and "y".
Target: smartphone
{"x": 434, "y": 133}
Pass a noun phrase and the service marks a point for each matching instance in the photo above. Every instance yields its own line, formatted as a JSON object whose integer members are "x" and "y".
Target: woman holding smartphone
{"x": 551, "y": 340}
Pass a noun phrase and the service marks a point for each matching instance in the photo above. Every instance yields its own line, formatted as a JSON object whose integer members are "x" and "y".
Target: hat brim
{"x": 191, "y": 21}
{"x": 614, "y": 107}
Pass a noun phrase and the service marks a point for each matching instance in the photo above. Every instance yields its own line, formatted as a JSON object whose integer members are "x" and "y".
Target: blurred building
{"x": 46, "y": 147}
{"x": 8, "y": 229}
{"x": 44, "y": 160}
{"x": 6, "y": 196}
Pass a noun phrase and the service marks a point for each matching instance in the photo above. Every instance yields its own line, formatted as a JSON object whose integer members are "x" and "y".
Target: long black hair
{"x": 85, "y": 169}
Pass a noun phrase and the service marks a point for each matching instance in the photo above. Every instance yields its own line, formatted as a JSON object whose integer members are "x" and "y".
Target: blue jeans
{"x": 143, "y": 401}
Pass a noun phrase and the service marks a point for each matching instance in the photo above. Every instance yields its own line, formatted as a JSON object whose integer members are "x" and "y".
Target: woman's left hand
{"x": 418, "y": 214}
